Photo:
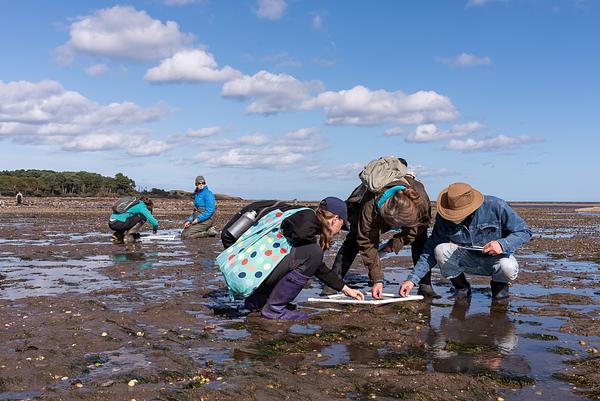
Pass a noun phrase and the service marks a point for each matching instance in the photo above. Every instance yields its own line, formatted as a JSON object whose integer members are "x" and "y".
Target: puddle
{"x": 9, "y": 396}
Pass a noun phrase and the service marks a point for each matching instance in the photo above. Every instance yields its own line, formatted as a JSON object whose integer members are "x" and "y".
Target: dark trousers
{"x": 349, "y": 249}
{"x": 122, "y": 226}
{"x": 305, "y": 259}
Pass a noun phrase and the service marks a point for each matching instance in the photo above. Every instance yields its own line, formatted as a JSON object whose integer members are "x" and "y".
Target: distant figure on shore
{"x": 19, "y": 198}
{"x": 200, "y": 222}
{"x": 400, "y": 204}
{"x": 274, "y": 256}
{"x": 129, "y": 216}
{"x": 467, "y": 218}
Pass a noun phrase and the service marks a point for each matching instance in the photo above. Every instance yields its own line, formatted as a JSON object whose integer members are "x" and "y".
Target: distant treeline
{"x": 55, "y": 183}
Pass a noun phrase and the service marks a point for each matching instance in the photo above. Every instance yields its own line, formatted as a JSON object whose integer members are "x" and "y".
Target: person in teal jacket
{"x": 126, "y": 226}
{"x": 200, "y": 223}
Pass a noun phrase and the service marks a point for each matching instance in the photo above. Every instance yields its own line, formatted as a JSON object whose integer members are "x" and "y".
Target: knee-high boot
{"x": 283, "y": 293}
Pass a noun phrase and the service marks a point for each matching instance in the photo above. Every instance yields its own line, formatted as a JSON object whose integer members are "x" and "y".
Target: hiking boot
{"x": 136, "y": 236}
{"x": 499, "y": 290}
{"x": 462, "y": 288}
{"x": 129, "y": 239}
{"x": 117, "y": 238}
{"x": 427, "y": 291}
{"x": 212, "y": 231}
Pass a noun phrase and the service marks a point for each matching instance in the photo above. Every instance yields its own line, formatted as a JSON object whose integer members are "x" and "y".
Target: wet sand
{"x": 83, "y": 319}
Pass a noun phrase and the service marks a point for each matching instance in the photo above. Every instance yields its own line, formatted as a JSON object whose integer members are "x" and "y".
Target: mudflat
{"x": 82, "y": 318}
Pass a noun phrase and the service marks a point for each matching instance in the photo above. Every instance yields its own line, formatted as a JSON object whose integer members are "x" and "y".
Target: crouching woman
{"x": 127, "y": 225}
{"x": 309, "y": 233}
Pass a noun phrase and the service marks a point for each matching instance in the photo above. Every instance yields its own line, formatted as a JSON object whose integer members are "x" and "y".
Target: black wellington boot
{"x": 499, "y": 290}
{"x": 461, "y": 286}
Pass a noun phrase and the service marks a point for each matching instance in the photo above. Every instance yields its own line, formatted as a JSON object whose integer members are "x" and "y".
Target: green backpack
{"x": 124, "y": 203}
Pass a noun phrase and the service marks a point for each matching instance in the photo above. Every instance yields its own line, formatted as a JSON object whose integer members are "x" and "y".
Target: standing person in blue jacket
{"x": 127, "y": 225}
{"x": 467, "y": 218}
{"x": 200, "y": 223}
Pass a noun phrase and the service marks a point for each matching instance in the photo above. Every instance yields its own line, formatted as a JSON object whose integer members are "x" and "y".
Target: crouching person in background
{"x": 200, "y": 223}
{"x": 290, "y": 252}
{"x": 129, "y": 216}
{"x": 467, "y": 218}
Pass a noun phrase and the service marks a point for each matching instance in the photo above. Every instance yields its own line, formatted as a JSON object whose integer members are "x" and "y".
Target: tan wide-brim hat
{"x": 458, "y": 201}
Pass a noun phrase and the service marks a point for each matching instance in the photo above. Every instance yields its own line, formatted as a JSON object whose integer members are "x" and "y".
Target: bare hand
{"x": 387, "y": 248}
{"x": 493, "y": 248}
{"x": 377, "y": 291}
{"x": 406, "y": 288}
{"x": 353, "y": 293}
{"x": 186, "y": 224}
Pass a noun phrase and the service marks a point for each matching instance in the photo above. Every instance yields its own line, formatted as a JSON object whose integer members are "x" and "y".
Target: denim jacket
{"x": 494, "y": 220}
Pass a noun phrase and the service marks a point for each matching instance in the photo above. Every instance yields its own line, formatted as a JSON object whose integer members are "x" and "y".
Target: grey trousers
{"x": 199, "y": 230}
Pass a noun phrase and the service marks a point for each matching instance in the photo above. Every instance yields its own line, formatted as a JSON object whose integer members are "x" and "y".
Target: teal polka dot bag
{"x": 250, "y": 260}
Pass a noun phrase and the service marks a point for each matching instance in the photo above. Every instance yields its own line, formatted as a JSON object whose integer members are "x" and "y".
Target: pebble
{"x": 500, "y": 399}
{"x": 104, "y": 334}
{"x": 140, "y": 334}
{"x": 64, "y": 378}
{"x": 78, "y": 385}
{"x": 581, "y": 342}
{"x": 132, "y": 382}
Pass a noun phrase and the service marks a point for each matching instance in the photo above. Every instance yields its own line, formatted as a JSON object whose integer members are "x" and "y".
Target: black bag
{"x": 124, "y": 203}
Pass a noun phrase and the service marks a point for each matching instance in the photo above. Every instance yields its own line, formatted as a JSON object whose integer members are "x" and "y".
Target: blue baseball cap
{"x": 336, "y": 206}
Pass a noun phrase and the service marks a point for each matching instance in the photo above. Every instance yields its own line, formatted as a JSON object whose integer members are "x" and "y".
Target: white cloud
{"x": 348, "y": 171}
{"x": 362, "y": 106}
{"x": 96, "y": 70}
{"x": 45, "y": 113}
{"x": 132, "y": 143}
{"x": 271, "y": 93}
{"x": 282, "y": 59}
{"x": 431, "y": 133}
{"x": 465, "y": 60}
{"x": 192, "y": 65}
{"x": 178, "y": 3}
{"x": 500, "y": 142}
{"x": 271, "y": 9}
{"x": 123, "y": 32}
{"x": 394, "y": 131}
{"x": 204, "y": 132}
{"x": 317, "y": 21}
{"x": 423, "y": 171}
{"x": 259, "y": 151}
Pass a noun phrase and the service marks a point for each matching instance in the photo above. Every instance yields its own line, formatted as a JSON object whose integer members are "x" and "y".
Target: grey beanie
{"x": 200, "y": 178}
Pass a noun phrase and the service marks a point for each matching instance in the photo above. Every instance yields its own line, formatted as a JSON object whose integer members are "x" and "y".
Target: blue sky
{"x": 289, "y": 99}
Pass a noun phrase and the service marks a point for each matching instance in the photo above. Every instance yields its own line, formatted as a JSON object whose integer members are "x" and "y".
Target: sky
{"x": 289, "y": 99}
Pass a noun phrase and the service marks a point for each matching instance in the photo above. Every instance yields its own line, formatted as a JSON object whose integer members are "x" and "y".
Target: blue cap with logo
{"x": 336, "y": 206}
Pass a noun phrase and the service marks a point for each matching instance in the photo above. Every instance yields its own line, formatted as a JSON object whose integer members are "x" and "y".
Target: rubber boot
{"x": 212, "y": 231}
{"x": 462, "y": 288}
{"x": 426, "y": 289}
{"x": 499, "y": 290}
{"x": 117, "y": 238}
{"x": 284, "y": 292}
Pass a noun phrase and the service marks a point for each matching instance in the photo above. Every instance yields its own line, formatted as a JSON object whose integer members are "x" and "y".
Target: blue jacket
{"x": 138, "y": 208}
{"x": 494, "y": 220}
{"x": 204, "y": 201}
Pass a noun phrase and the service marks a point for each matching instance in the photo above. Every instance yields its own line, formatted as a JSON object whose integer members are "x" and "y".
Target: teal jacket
{"x": 138, "y": 208}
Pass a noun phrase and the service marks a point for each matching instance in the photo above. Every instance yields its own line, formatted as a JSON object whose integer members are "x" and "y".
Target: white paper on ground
{"x": 369, "y": 300}
{"x": 158, "y": 237}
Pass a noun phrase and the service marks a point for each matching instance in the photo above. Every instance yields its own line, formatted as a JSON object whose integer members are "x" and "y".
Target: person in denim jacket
{"x": 467, "y": 218}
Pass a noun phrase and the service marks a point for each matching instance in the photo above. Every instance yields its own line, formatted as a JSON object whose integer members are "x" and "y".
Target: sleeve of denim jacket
{"x": 209, "y": 206}
{"x": 367, "y": 238}
{"x": 427, "y": 259}
{"x": 515, "y": 231}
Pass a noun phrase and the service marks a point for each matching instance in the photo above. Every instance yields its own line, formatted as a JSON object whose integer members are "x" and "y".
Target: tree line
{"x": 63, "y": 183}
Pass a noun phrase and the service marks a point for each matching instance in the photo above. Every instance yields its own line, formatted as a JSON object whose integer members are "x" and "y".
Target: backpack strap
{"x": 388, "y": 194}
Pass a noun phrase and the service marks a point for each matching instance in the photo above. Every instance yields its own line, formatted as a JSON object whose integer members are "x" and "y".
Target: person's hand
{"x": 377, "y": 291}
{"x": 154, "y": 232}
{"x": 493, "y": 248}
{"x": 194, "y": 222}
{"x": 186, "y": 225}
{"x": 353, "y": 293}
{"x": 406, "y": 288}
{"x": 387, "y": 248}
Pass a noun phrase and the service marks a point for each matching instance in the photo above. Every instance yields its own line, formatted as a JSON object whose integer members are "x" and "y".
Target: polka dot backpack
{"x": 248, "y": 262}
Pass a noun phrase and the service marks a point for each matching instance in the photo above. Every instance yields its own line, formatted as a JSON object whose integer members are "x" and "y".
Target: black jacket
{"x": 302, "y": 229}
